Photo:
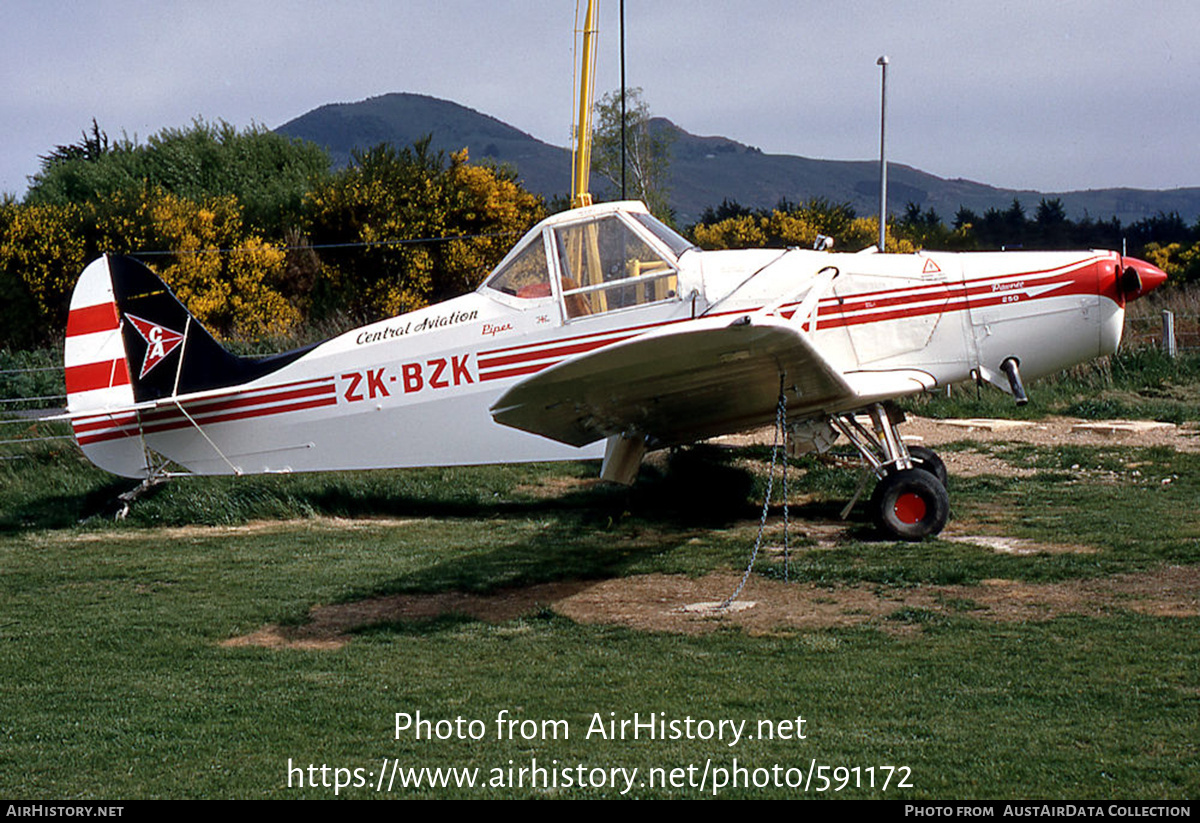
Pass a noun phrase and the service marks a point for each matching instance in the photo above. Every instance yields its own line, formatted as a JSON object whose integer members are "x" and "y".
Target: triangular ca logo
{"x": 160, "y": 341}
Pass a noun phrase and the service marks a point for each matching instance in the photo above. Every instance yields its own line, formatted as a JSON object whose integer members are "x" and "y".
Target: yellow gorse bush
{"x": 794, "y": 227}
{"x": 433, "y": 229}
{"x": 222, "y": 273}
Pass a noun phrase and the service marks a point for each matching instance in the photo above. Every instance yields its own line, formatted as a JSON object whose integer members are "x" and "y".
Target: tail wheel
{"x": 910, "y": 504}
{"x": 928, "y": 460}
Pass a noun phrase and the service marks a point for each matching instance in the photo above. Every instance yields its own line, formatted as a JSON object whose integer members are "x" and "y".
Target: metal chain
{"x": 780, "y": 434}
{"x": 787, "y": 558}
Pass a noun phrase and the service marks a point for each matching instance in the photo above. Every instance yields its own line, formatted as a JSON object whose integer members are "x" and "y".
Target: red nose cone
{"x": 1139, "y": 278}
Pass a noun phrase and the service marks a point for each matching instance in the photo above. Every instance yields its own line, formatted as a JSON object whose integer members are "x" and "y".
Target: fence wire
{"x": 23, "y": 428}
{"x": 1150, "y": 331}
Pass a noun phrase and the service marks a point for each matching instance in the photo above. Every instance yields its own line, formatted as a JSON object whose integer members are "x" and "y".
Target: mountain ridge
{"x": 704, "y": 169}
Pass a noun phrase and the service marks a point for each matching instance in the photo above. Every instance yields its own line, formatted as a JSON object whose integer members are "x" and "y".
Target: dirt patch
{"x": 1051, "y": 431}
{"x": 971, "y": 463}
{"x": 328, "y": 626}
{"x": 553, "y": 487}
{"x": 1054, "y": 431}
{"x": 684, "y": 605}
{"x": 1170, "y": 592}
{"x": 658, "y": 602}
{"x": 256, "y": 527}
{"x": 667, "y": 603}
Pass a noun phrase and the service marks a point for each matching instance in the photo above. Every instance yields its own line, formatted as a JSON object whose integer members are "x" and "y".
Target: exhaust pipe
{"x": 1013, "y": 373}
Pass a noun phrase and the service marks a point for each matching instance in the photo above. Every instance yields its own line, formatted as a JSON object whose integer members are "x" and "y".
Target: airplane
{"x": 602, "y": 334}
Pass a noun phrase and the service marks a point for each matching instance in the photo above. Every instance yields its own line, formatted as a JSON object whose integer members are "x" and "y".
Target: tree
{"x": 793, "y": 225}
{"x": 647, "y": 151}
{"x": 1050, "y": 213}
{"x": 727, "y": 209}
{"x": 964, "y": 218}
{"x": 223, "y": 273}
{"x": 1050, "y": 228}
{"x": 1162, "y": 229}
{"x": 267, "y": 172}
{"x": 925, "y": 229}
{"x": 1181, "y": 262}
{"x": 42, "y": 251}
{"x": 91, "y": 148}
{"x": 430, "y": 229}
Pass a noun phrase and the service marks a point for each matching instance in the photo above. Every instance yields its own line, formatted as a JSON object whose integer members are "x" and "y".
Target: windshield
{"x": 526, "y": 275}
{"x": 606, "y": 265}
{"x": 676, "y": 243}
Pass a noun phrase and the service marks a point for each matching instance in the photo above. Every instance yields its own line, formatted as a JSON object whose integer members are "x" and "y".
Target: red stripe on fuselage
{"x": 112, "y": 421}
{"x": 241, "y": 415}
{"x": 129, "y": 430}
{"x": 516, "y": 372}
{"x": 170, "y": 417}
{"x": 959, "y": 289}
{"x": 241, "y": 401}
{"x": 552, "y": 351}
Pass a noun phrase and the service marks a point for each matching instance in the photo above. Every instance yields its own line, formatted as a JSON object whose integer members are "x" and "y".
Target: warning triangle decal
{"x": 930, "y": 267}
{"x": 160, "y": 342}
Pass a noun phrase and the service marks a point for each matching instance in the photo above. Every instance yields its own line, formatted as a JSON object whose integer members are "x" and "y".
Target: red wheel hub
{"x": 909, "y": 508}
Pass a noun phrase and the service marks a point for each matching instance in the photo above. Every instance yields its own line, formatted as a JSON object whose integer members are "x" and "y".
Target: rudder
{"x": 99, "y": 384}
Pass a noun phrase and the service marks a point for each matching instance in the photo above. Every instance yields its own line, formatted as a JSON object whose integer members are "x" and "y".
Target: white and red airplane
{"x": 602, "y": 333}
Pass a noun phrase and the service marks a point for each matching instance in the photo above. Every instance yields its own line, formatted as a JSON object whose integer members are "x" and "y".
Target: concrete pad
{"x": 1004, "y": 545}
{"x": 714, "y": 607}
{"x": 987, "y": 424}
{"x": 1121, "y": 426}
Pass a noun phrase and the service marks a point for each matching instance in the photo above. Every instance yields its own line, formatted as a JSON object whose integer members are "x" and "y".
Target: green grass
{"x": 1139, "y": 383}
{"x": 113, "y": 682}
{"x": 26, "y": 374}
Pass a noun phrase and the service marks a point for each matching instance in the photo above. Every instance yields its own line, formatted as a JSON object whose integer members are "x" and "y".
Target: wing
{"x": 690, "y": 381}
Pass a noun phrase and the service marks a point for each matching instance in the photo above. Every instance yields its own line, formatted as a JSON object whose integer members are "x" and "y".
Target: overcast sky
{"x": 1051, "y": 95}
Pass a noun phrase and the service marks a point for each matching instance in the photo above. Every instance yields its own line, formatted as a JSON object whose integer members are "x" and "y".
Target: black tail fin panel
{"x": 168, "y": 351}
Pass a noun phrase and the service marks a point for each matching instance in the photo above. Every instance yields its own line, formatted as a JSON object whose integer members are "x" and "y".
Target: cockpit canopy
{"x": 594, "y": 260}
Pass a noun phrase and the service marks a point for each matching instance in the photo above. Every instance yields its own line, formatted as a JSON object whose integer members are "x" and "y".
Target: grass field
{"x": 232, "y": 637}
{"x": 1069, "y": 670}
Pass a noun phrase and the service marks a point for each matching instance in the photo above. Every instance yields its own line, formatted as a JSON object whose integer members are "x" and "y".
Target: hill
{"x": 704, "y": 170}
{"x": 403, "y": 119}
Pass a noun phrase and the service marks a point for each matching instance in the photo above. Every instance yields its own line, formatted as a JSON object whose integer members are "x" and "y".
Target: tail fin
{"x": 130, "y": 341}
{"x": 98, "y": 377}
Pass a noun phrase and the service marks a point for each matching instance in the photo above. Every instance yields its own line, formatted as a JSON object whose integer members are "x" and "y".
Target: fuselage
{"x": 415, "y": 390}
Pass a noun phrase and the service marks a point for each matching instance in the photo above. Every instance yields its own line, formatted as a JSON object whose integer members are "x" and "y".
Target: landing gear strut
{"x": 910, "y": 500}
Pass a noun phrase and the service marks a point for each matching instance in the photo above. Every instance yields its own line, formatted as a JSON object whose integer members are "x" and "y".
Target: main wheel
{"x": 928, "y": 460}
{"x": 910, "y": 504}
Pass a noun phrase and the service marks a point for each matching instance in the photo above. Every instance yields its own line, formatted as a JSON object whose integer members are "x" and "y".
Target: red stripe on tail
{"x": 92, "y": 319}
{"x": 91, "y": 376}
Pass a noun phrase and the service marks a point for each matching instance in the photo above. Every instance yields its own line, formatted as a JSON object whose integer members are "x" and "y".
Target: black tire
{"x": 910, "y": 504}
{"x": 928, "y": 460}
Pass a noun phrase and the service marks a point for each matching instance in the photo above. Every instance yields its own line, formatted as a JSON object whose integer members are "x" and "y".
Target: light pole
{"x": 882, "y": 62}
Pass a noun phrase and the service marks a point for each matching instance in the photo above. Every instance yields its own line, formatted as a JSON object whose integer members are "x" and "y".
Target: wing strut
{"x": 806, "y": 312}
